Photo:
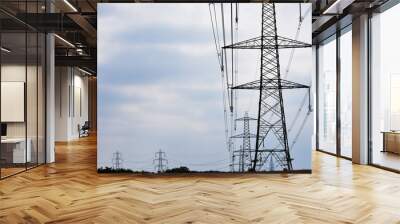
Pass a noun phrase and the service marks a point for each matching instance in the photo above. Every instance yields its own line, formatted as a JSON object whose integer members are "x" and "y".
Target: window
{"x": 385, "y": 89}
{"x": 346, "y": 92}
{"x": 327, "y": 95}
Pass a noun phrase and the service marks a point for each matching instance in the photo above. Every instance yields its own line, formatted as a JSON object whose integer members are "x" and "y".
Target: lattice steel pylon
{"x": 244, "y": 153}
{"x": 271, "y": 120}
{"x": 160, "y": 161}
{"x": 117, "y": 160}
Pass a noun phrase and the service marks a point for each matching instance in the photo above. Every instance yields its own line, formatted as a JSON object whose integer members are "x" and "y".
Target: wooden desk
{"x": 391, "y": 141}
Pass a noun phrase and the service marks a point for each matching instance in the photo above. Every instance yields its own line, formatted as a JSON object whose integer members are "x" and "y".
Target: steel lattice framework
{"x": 117, "y": 160}
{"x": 269, "y": 42}
{"x": 160, "y": 161}
{"x": 271, "y": 122}
{"x": 244, "y": 154}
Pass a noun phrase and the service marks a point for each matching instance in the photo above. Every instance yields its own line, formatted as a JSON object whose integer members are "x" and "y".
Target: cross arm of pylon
{"x": 272, "y": 84}
{"x": 244, "y": 136}
{"x": 246, "y": 118}
{"x": 269, "y": 42}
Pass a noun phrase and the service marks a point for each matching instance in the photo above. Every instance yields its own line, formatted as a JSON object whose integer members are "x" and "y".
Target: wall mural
{"x": 205, "y": 88}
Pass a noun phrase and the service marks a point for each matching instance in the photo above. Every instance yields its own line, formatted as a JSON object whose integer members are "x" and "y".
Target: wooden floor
{"x": 5, "y": 172}
{"x": 387, "y": 159}
{"x": 70, "y": 191}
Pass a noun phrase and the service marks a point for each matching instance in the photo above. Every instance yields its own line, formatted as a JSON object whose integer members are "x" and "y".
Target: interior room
{"x": 71, "y": 100}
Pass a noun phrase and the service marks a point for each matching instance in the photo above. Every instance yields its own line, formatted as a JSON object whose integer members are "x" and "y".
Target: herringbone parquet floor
{"x": 70, "y": 191}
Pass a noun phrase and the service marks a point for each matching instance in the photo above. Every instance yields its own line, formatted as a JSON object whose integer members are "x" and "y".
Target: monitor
{"x": 3, "y": 129}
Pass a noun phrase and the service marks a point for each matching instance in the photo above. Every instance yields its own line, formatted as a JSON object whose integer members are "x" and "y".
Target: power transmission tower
{"x": 240, "y": 159}
{"x": 271, "y": 120}
{"x": 231, "y": 149}
{"x": 244, "y": 153}
{"x": 160, "y": 161}
{"x": 117, "y": 160}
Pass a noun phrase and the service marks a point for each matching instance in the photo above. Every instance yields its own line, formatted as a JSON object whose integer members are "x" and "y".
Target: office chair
{"x": 84, "y": 130}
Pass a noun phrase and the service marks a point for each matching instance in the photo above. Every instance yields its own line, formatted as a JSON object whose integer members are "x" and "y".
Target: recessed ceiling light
{"x": 84, "y": 71}
{"x": 337, "y": 7}
{"x": 70, "y": 5}
{"x": 5, "y": 50}
{"x": 64, "y": 40}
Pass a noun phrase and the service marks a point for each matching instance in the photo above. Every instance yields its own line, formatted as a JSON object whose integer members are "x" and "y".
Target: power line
{"x": 228, "y": 89}
{"x": 301, "y": 19}
{"x": 231, "y": 108}
{"x": 300, "y": 130}
{"x": 220, "y": 61}
{"x": 215, "y": 34}
{"x": 307, "y": 94}
{"x": 216, "y": 25}
{"x": 225, "y": 60}
{"x": 236, "y": 62}
{"x": 298, "y": 112}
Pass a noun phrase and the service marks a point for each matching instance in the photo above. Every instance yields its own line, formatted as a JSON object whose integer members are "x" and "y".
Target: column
{"x": 360, "y": 90}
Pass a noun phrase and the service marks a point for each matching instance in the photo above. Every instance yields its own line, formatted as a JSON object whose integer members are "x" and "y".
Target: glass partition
{"x": 41, "y": 88}
{"x": 14, "y": 153}
{"x": 22, "y": 101}
{"x": 31, "y": 99}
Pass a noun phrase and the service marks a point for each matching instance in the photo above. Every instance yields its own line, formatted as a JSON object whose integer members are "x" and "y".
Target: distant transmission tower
{"x": 271, "y": 120}
{"x": 160, "y": 162}
{"x": 231, "y": 149}
{"x": 240, "y": 160}
{"x": 117, "y": 160}
{"x": 244, "y": 153}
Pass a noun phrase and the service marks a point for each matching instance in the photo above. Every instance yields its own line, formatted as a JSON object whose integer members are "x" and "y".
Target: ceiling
{"x": 75, "y": 22}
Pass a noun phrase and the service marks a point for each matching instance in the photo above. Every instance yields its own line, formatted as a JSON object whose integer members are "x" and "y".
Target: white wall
{"x": 70, "y": 84}
{"x": 62, "y": 81}
{"x": 16, "y": 73}
{"x": 81, "y": 114}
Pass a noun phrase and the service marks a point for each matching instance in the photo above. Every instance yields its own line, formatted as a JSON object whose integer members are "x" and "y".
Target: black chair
{"x": 84, "y": 129}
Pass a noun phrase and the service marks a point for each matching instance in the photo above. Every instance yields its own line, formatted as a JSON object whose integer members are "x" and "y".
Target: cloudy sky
{"x": 159, "y": 85}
